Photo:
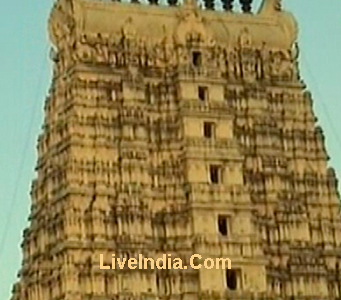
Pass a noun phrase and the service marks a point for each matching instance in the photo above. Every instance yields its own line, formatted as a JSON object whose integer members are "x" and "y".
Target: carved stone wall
{"x": 125, "y": 164}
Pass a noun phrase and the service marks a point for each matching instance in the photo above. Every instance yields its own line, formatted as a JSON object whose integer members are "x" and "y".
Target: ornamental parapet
{"x": 209, "y": 75}
{"x": 207, "y": 193}
{"x": 193, "y": 107}
{"x": 237, "y": 295}
{"x": 174, "y": 244}
{"x": 203, "y": 295}
{"x": 217, "y": 143}
{"x": 239, "y": 247}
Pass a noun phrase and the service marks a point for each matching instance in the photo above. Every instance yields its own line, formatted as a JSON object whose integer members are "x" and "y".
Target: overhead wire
{"x": 320, "y": 97}
{"x": 14, "y": 197}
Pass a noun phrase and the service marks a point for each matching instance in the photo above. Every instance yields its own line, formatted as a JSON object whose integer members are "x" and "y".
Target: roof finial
{"x": 270, "y": 6}
{"x": 209, "y": 4}
{"x": 227, "y": 4}
{"x": 172, "y": 2}
{"x": 246, "y": 5}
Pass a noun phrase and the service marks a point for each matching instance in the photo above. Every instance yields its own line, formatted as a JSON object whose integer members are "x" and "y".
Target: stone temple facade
{"x": 180, "y": 129}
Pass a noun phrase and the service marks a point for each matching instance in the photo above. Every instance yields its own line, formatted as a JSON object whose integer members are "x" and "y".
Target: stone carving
{"x": 62, "y": 33}
{"x": 245, "y": 39}
{"x": 134, "y": 77}
{"x": 264, "y": 65}
{"x": 85, "y": 52}
{"x": 192, "y": 28}
{"x": 128, "y": 30}
{"x": 217, "y": 58}
{"x": 281, "y": 66}
{"x": 124, "y": 48}
{"x": 247, "y": 57}
{"x": 244, "y": 62}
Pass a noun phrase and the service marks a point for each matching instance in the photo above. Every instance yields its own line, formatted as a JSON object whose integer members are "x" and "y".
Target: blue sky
{"x": 25, "y": 77}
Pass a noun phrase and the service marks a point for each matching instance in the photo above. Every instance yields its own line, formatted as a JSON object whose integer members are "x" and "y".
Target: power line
{"x": 324, "y": 107}
{"x": 14, "y": 197}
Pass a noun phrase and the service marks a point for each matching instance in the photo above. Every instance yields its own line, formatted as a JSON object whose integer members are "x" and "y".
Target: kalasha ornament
{"x": 246, "y": 5}
{"x": 228, "y": 4}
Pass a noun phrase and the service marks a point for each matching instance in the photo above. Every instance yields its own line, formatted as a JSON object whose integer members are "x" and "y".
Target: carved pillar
{"x": 228, "y": 5}
{"x": 246, "y": 5}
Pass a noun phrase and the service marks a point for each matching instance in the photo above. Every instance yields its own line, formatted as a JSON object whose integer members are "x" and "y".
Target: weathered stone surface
{"x": 179, "y": 130}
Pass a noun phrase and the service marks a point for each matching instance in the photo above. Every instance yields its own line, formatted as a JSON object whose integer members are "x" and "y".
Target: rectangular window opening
{"x": 233, "y": 279}
{"x": 203, "y": 93}
{"x": 215, "y": 174}
{"x": 196, "y": 58}
{"x": 223, "y": 225}
{"x": 209, "y": 129}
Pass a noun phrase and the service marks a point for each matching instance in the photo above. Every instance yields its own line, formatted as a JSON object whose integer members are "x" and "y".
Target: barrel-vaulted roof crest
{"x": 155, "y": 23}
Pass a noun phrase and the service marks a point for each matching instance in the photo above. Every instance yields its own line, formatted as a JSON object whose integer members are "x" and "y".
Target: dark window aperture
{"x": 215, "y": 174}
{"x": 202, "y": 93}
{"x": 223, "y": 225}
{"x": 231, "y": 279}
{"x": 196, "y": 59}
{"x": 208, "y": 130}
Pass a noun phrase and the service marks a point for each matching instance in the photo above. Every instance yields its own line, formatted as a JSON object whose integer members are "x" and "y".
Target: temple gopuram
{"x": 180, "y": 128}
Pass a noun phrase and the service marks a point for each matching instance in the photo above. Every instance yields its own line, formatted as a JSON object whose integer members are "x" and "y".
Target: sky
{"x": 25, "y": 77}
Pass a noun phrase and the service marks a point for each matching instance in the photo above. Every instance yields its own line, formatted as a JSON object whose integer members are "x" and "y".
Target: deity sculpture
{"x": 247, "y": 56}
{"x": 281, "y": 66}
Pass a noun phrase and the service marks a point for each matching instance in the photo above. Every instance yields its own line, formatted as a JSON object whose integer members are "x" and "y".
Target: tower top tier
{"x": 173, "y": 23}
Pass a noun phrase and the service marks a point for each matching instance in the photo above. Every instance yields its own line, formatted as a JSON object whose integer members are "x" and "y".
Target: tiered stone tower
{"x": 178, "y": 129}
